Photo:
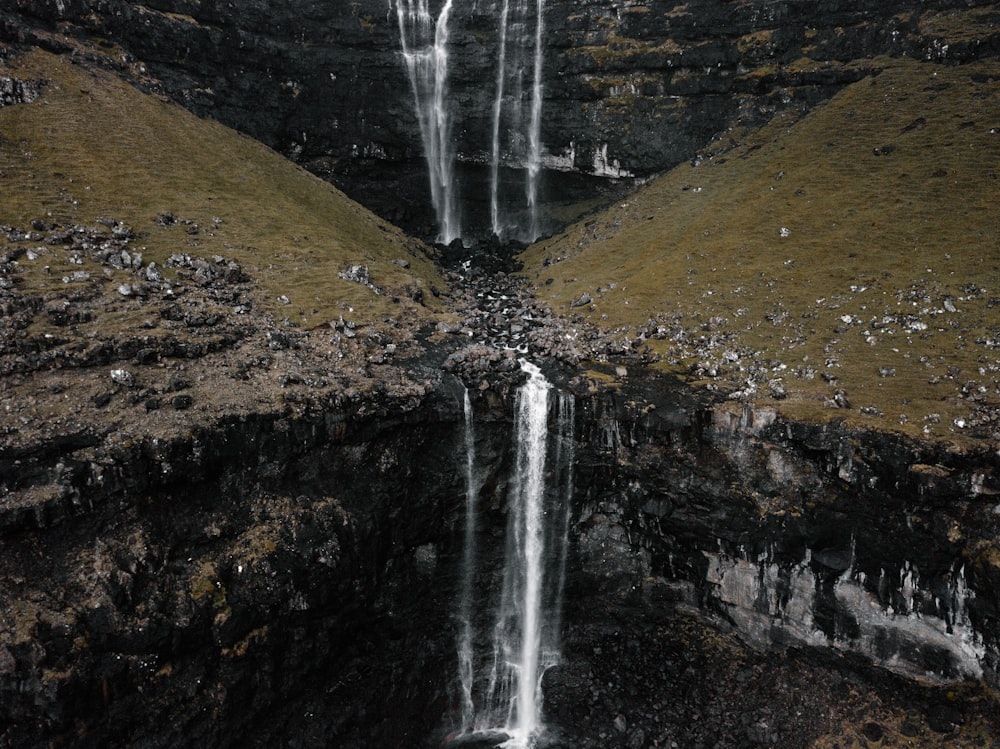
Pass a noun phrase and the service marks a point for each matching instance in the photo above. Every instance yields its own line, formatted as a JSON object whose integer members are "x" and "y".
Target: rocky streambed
{"x": 220, "y": 529}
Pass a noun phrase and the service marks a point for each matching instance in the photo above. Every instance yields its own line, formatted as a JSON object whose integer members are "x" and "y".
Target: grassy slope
{"x": 885, "y": 238}
{"x": 94, "y": 146}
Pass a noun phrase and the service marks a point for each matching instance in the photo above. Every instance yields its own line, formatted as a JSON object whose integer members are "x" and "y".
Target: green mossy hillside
{"x": 856, "y": 250}
{"x": 94, "y": 146}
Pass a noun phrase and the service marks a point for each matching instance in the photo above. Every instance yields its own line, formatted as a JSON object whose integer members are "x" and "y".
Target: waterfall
{"x": 425, "y": 51}
{"x": 466, "y": 635}
{"x": 565, "y": 457}
{"x": 505, "y": 694}
{"x": 535, "y": 128}
{"x": 517, "y": 115}
{"x": 515, "y": 133}
{"x": 497, "y": 111}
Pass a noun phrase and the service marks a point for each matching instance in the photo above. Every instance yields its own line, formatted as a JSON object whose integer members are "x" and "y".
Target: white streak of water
{"x": 425, "y": 50}
{"x": 517, "y": 116}
{"x": 497, "y": 110}
{"x": 506, "y": 693}
{"x": 535, "y": 127}
{"x": 466, "y": 634}
{"x": 565, "y": 458}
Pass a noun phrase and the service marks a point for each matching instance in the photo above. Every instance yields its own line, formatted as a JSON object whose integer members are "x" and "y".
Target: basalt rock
{"x": 220, "y": 545}
{"x": 727, "y": 552}
{"x": 799, "y": 534}
{"x": 194, "y": 585}
{"x": 292, "y": 573}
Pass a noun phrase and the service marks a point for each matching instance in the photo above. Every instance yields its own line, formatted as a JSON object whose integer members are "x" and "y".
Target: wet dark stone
{"x": 944, "y": 718}
{"x": 177, "y": 382}
{"x": 182, "y": 402}
{"x": 146, "y": 355}
{"x": 873, "y": 731}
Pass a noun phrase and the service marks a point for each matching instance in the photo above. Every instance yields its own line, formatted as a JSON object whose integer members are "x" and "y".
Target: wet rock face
{"x": 629, "y": 89}
{"x": 797, "y": 535}
{"x": 728, "y": 563}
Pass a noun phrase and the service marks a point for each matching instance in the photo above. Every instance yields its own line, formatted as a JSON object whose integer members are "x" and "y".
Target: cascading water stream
{"x": 504, "y": 695}
{"x": 535, "y": 128}
{"x": 517, "y": 640}
{"x": 497, "y": 111}
{"x": 516, "y": 136}
{"x": 425, "y": 50}
{"x": 515, "y": 133}
{"x": 466, "y": 634}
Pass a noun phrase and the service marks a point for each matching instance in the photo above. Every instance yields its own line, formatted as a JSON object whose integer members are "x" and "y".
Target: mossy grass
{"x": 861, "y": 242}
{"x": 93, "y": 145}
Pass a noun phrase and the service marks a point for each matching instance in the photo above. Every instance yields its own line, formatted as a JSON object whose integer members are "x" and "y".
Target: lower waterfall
{"x": 501, "y": 676}
{"x": 465, "y": 635}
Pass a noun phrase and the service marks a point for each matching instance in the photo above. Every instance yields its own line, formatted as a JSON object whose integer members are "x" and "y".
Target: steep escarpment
{"x": 654, "y": 82}
{"x": 865, "y": 517}
{"x": 193, "y": 588}
{"x": 628, "y": 88}
{"x": 813, "y": 544}
{"x": 292, "y": 575}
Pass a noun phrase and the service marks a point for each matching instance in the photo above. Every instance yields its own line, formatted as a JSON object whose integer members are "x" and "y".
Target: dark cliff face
{"x": 293, "y": 578}
{"x": 744, "y": 506}
{"x": 187, "y": 592}
{"x": 629, "y": 89}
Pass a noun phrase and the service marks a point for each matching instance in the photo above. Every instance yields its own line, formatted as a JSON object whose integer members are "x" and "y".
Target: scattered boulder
{"x": 122, "y": 377}
{"x": 182, "y": 402}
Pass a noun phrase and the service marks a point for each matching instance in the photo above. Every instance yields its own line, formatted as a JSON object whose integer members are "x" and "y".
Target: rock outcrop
{"x": 240, "y": 532}
{"x": 286, "y": 571}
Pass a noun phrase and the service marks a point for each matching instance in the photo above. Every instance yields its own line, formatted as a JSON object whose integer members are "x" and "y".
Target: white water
{"x": 517, "y": 117}
{"x": 425, "y": 50}
{"x": 535, "y": 127}
{"x": 466, "y": 636}
{"x": 504, "y": 696}
{"x": 497, "y": 111}
{"x": 515, "y": 137}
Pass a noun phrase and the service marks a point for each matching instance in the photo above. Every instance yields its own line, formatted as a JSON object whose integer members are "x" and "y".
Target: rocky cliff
{"x": 252, "y": 535}
{"x": 289, "y": 577}
{"x": 811, "y": 540}
{"x": 629, "y": 88}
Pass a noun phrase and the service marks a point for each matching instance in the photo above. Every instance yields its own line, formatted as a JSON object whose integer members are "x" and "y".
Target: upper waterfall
{"x": 424, "y": 39}
{"x": 512, "y": 148}
{"x": 517, "y": 118}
